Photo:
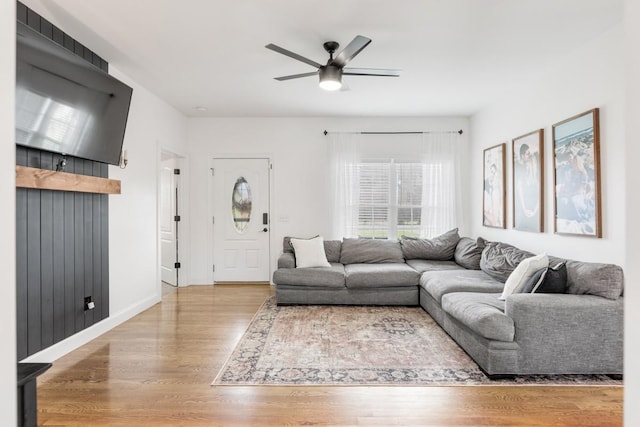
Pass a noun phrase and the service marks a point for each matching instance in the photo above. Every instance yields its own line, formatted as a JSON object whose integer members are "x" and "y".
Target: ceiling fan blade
{"x": 352, "y": 49}
{"x": 296, "y": 76}
{"x": 370, "y": 72}
{"x": 292, "y": 55}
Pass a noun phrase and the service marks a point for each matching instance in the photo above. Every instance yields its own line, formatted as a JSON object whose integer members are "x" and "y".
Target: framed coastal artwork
{"x": 576, "y": 155}
{"x": 493, "y": 202}
{"x": 528, "y": 181}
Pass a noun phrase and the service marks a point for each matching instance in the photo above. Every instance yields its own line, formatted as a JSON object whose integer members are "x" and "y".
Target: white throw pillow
{"x": 310, "y": 252}
{"x": 522, "y": 273}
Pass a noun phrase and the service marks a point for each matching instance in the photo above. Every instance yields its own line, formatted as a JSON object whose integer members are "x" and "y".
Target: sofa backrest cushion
{"x": 440, "y": 248}
{"x": 331, "y": 248}
{"x": 605, "y": 280}
{"x": 468, "y": 252}
{"x": 366, "y": 251}
{"x": 499, "y": 259}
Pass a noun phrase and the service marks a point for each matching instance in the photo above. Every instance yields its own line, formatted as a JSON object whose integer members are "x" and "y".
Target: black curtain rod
{"x": 397, "y": 133}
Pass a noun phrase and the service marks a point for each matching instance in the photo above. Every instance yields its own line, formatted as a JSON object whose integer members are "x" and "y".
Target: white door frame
{"x": 182, "y": 234}
{"x": 210, "y": 193}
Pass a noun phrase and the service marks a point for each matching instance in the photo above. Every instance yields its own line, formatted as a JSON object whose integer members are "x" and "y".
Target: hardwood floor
{"x": 156, "y": 369}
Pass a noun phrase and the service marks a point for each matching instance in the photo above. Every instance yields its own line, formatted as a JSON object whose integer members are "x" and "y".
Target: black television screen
{"x": 66, "y": 105}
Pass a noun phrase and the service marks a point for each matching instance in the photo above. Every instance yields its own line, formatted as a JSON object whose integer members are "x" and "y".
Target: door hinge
{"x": 176, "y": 171}
{"x": 270, "y": 165}
{"x": 214, "y": 268}
{"x": 213, "y": 220}
{"x": 176, "y": 218}
{"x": 213, "y": 172}
{"x": 176, "y": 265}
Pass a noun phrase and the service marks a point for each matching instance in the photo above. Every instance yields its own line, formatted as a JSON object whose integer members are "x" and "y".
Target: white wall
{"x": 8, "y": 213}
{"x": 632, "y": 270}
{"x": 299, "y": 150}
{"x": 592, "y": 76}
{"x": 133, "y": 215}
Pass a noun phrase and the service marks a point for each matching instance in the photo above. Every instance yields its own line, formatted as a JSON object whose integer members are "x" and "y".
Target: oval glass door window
{"x": 241, "y": 204}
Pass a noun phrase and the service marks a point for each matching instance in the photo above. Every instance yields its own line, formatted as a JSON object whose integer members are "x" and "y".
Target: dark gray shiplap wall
{"x": 62, "y": 251}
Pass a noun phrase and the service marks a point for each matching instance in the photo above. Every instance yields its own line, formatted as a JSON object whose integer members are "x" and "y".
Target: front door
{"x": 241, "y": 220}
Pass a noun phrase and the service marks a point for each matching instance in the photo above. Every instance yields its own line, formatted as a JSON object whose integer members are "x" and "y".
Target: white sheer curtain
{"x": 441, "y": 188}
{"x": 441, "y": 157}
{"x": 344, "y": 154}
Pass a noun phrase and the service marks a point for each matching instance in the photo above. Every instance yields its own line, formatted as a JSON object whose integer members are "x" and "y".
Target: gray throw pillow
{"x": 367, "y": 251}
{"x": 499, "y": 259}
{"x": 468, "y": 252}
{"x": 440, "y": 248}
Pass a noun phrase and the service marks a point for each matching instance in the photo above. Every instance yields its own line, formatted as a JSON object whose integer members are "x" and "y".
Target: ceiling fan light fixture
{"x": 330, "y": 78}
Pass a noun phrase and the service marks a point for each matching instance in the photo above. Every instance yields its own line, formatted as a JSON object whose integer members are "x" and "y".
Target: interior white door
{"x": 241, "y": 220}
{"x": 168, "y": 229}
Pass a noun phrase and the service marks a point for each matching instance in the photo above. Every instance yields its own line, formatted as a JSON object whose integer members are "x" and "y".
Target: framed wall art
{"x": 493, "y": 203}
{"x": 528, "y": 181}
{"x": 576, "y": 154}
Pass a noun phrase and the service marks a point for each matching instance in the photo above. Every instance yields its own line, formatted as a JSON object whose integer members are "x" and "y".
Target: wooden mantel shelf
{"x": 45, "y": 179}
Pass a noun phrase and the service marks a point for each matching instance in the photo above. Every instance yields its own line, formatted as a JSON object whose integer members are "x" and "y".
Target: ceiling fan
{"x": 331, "y": 73}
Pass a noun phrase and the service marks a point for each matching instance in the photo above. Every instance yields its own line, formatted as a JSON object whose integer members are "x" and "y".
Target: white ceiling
{"x": 455, "y": 55}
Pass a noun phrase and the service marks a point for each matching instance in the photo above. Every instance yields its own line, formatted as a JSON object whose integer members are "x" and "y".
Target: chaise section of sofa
{"x": 579, "y": 331}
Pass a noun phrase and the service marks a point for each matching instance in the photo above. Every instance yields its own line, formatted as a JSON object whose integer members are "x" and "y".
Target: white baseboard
{"x": 56, "y": 351}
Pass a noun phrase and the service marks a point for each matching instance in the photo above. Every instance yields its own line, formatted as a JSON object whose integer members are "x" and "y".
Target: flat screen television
{"x": 66, "y": 105}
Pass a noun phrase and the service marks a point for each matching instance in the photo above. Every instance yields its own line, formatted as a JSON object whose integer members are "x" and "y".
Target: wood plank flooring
{"x": 156, "y": 369}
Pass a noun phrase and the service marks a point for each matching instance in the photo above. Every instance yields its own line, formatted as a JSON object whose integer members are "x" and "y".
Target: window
{"x": 389, "y": 199}
{"x": 388, "y": 186}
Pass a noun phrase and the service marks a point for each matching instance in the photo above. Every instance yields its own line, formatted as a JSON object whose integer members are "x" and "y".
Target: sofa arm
{"x": 568, "y": 333}
{"x": 287, "y": 260}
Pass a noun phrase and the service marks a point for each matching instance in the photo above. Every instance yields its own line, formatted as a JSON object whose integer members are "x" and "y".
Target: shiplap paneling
{"x": 62, "y": 256}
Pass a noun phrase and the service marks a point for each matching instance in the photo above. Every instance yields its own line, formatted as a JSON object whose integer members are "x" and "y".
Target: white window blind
{"x": 374, "y": 199}
{"x": 389, "y": 199}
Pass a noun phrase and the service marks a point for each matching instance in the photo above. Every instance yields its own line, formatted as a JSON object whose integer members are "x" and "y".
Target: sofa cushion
{"x": 480, "y": 312}
{"x": 439, "y": 283}
{"x": 331, "y": 248}
{"x": 422, "y": 265}
{"x": 499, "y": 259}
{"x": 605, "y": 280}
{"x": 440, "y": 248}
{"x": 368, "y": 251}
{"x": 518, "y": 279}
{"x": 380, "y": 275}
{"x": 468, "y": 252}
{"x": 328, "y": 277}
{"x": 309, "y": 253}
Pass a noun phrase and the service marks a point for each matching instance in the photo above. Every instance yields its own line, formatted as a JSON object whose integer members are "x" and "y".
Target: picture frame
{"x": 576, "y": 159}
{"x": 493, "y": 190}
{"x": 528, "y": 181}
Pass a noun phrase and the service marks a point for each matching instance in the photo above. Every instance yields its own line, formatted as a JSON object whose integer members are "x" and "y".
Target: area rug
{"x": 359, "y": 345}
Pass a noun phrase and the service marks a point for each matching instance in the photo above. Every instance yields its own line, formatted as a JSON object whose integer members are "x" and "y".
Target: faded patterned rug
{"x": 359, "y": 345}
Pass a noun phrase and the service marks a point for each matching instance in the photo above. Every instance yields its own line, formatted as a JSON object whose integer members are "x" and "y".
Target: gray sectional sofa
{"x": 578, "y": 329}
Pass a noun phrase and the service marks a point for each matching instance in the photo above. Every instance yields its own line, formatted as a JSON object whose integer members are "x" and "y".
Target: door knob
{"x": 264, "y": 230}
